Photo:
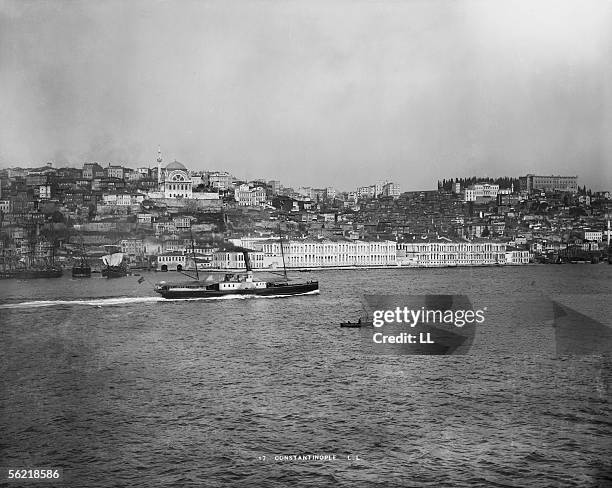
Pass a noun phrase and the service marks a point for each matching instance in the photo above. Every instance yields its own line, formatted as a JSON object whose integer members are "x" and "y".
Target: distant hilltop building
{"x": 550, "y": 183}
{"x": 115, "y": 171}
{"x": 174, "y": 180}
{"x": 92, "y": 170}
{"x": 480, "y": 191}
{"x": 247, "y": 196}
{"x": 391, "y": 189}
{"x": 220, "y": 180}
{"x": 387, "y": 189}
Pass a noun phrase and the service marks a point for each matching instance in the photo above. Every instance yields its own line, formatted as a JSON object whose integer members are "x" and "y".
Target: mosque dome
{"x": 175, "y": 165}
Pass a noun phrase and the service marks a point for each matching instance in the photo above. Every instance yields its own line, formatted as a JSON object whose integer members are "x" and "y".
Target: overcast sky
{"x": 328, "y": 93}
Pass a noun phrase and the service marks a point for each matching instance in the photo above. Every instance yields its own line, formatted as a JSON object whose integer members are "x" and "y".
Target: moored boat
{"x": 35, "y": 260}
{"x": 32, "y": 273}
{"x": 80, "y": 266}
{"x": 114, "y": 265}
{"x": 82, "y": 269}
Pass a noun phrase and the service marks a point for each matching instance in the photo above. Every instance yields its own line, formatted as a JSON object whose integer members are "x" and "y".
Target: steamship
{"x": 239, "y": 284}
{"x": 235, "y": 284}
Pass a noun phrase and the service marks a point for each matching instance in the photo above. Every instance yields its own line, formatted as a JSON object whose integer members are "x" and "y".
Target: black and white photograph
{"x": 290, "y": 243}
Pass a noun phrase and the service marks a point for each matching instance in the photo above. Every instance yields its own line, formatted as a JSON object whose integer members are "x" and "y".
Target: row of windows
{"x": 309, "y": 258}
{"x": 429, "y": 256}
{"x": 452, "y": 248}
{"x": 329, "y": 248}
{"x": 182, "y": 186}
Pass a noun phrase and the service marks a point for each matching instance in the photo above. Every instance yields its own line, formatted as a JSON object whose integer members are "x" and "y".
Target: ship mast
{"x": 195, "y": 263}
{"x": 280, "y": 239}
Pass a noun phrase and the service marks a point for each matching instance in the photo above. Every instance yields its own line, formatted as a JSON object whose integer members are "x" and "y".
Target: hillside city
{"x": 166, "y": 217}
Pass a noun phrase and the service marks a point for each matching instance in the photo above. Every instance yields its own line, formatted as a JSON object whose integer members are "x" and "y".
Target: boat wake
{"x": 94, "y": 302}
{"x": 238, "y": 297}
{"x": 113, "y": 301}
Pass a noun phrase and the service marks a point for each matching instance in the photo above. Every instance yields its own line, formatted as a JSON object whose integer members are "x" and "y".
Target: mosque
{"x": 174, "y": 180}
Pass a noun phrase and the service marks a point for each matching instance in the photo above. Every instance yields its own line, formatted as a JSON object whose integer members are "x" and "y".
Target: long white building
{"x": 440, "y": 254}
{"x": 311, "y": 253}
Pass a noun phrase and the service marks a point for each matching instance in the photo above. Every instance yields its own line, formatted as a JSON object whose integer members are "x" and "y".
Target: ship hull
{"x": 271, "y": 290}
{"x": 32, "y": 274}
{"x": 81, "y": 272}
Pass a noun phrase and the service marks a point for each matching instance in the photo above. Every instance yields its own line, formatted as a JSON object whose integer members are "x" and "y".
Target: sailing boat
{"x": 115, "y": 265}
{"x": 37, "y": 262}
{"x": 236, "y": 284}
{"x": 81, "y": 268}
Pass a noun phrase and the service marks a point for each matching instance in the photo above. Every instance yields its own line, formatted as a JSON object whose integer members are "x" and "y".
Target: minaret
{"x": 159, "y": 162}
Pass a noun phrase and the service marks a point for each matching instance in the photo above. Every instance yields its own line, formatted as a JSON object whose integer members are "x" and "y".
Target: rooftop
{"x": 175, "y": 165}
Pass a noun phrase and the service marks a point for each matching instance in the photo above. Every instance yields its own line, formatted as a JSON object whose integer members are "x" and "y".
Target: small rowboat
{"x": 355, "y": 325}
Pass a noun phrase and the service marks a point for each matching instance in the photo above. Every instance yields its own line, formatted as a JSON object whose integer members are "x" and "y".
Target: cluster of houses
{"x": 152, "y": 211}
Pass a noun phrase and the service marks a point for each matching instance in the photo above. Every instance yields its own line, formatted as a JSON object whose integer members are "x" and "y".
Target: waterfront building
{"x": 321, "y": 253}
{"x": 174, "y": 261}
{"x": 448, "y": 253}
{"x": 518, "y": 257}
{"x": 235, "y": 260}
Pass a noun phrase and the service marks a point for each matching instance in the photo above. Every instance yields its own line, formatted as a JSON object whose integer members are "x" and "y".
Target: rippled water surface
{"x": 119, "y": 388}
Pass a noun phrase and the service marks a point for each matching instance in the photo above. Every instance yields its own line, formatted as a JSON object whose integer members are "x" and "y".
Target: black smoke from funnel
{"x": 230, "y": 247}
